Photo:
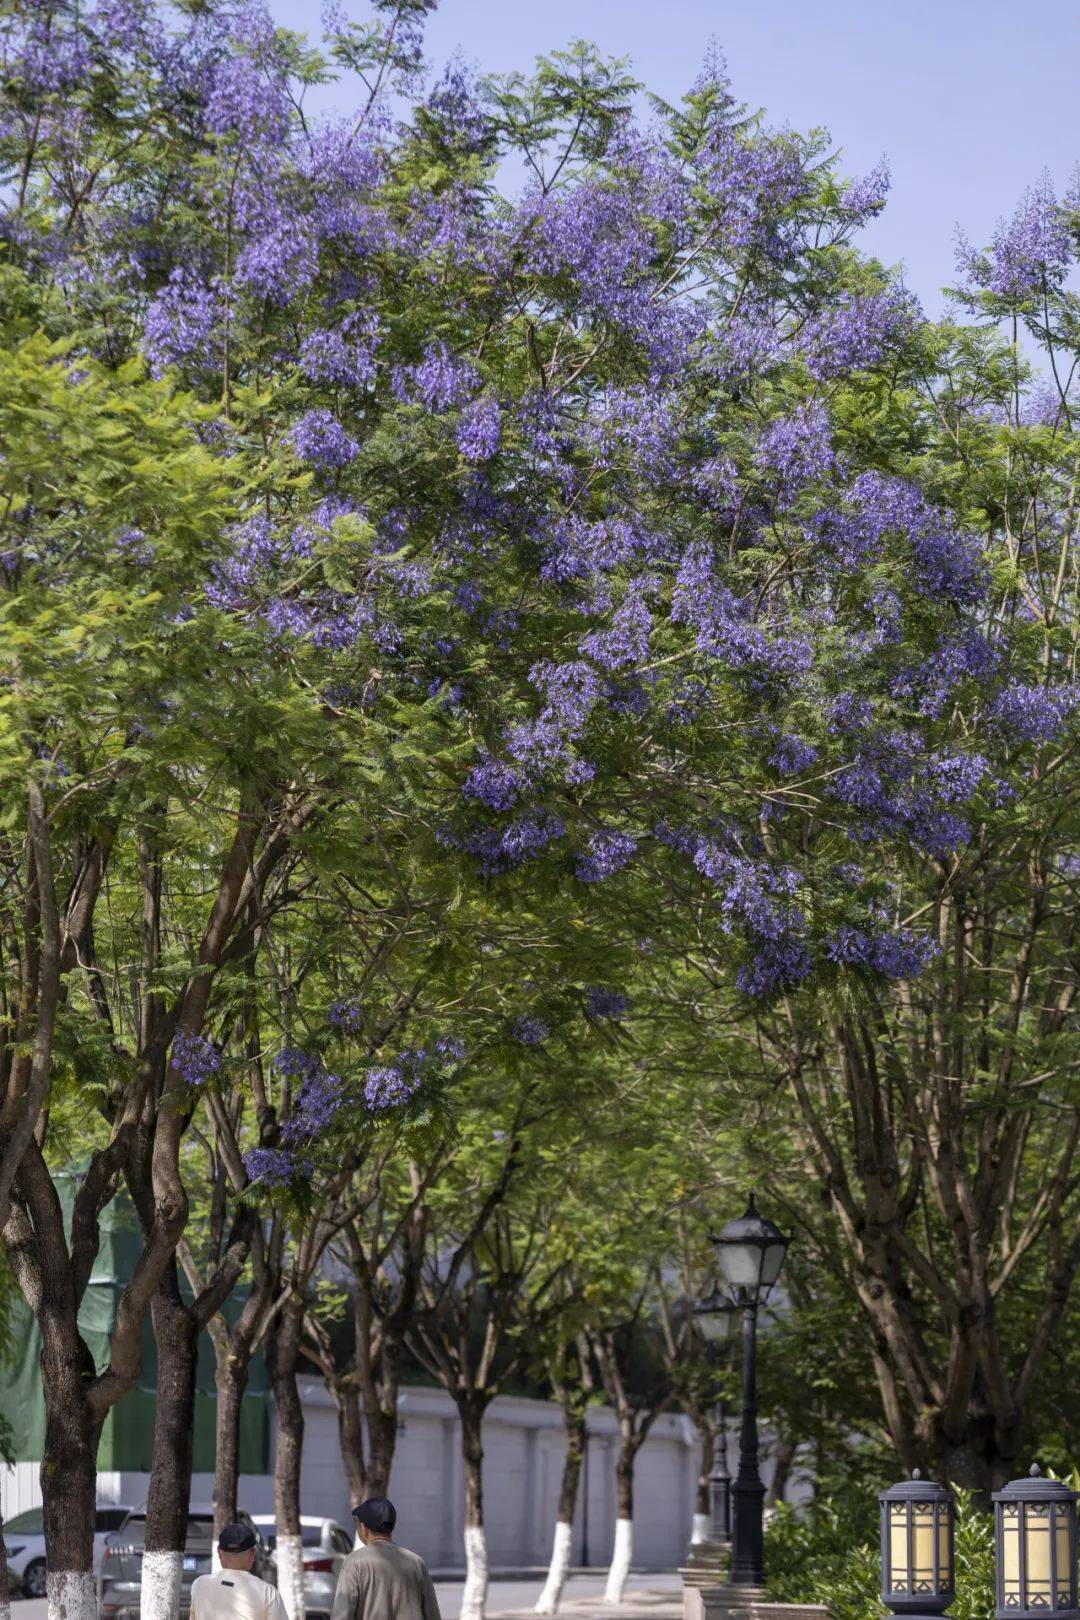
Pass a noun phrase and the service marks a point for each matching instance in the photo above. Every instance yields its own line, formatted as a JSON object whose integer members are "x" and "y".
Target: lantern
{"x": 751, "y": 1252}
{"x": 1035, "y": 1548}
{"x": 917, "y": 1547}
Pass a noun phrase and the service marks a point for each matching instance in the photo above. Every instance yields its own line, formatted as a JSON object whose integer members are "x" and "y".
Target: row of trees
{"x": 512, "y": 706}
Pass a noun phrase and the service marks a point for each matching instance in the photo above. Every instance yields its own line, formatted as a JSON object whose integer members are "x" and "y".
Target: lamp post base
{"x": 707, "y": 1562}
{"x": 743, "y": 1603}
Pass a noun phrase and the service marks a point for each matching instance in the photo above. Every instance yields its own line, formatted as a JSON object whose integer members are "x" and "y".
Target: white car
{"x": 327, "y": 1544}
{"x": 24, "y": 1538}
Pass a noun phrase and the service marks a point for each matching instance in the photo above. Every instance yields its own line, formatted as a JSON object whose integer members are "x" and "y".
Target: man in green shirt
{"x": 380, "y": 1581}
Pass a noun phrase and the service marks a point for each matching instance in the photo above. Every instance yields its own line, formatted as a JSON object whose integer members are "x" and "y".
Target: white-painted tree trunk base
{"x": 621, "y": 1554}
{"x": 474, "y": 1592}
{"x": 700, "y": 1529}
{"x": 159, "y": 1596}
{"x": 289, "y": 1552}
{"x": 72, "y": 1594}
{"x": 550, "y": 1598}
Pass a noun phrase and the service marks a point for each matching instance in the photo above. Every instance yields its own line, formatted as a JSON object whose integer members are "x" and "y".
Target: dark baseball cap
{"x": 236, "y": 1538}
{"x": 378, "y": 1513}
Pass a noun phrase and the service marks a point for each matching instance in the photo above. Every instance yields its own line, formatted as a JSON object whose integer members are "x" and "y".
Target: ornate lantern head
{"x": 917, "y": 1547}
{"x": 1035, "y": 1549}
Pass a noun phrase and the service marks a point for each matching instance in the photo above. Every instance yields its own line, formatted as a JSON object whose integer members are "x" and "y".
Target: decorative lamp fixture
{"x": 917, "y": 1547}
{"x": 713, "y": 1316}
{"x": 1035, "y": 1549}
{"x": 751, "y": 1253}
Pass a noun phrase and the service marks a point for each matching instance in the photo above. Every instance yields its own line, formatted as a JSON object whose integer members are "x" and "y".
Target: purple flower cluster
{"x": 494, "y": 784}
{"x": 1029, "y": 255}
{"x": 391, "y": 1084}
{"x": 480, "y": 429}
{"x": 528, "y": 1030}
{"x": 437, "y": 382}
{"x": 897, "y": 790}
{"x": 274, "y": 1167}
{"x": 797, "y": 448}
{"x": 626, "y": 642}
{"x": 601, "y": 1002}
{"x": 194, "y": 1057}
{"x": 891, "y": 953}
{"x": 1038, "y": 714}
{"x": 855, "y": 331}
{"x": 726, "y": 626}
{"x": 792, "y": 755}
{"x": 319, "y": 437}
{"x": 607, "y": 853}
{"x": 503, "y": 849}
{"x": 179, "y": 323}
{"x": 345, "y": 1016}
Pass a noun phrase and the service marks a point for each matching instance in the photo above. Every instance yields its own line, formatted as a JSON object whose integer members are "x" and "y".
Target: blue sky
{"x": 968, "y": 101}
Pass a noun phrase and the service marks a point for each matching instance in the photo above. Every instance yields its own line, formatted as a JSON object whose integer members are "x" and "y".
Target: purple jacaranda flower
{"x": 180, "y": 321}
{"x": 607, "y": 852}
{"x": 319, "y": 437}
{"x": 1026, "y": 713}
{"x": 479, "y": 429}
{"x": 494, "y": 784}
{"x": 274, "y": 1167}
{"x": 196, "y": 1058}
{"x": 528, "y": 1030}
{"x": 602, "y": 1002}
{"x": 1030, "y": 253}
{"x": 892, "y": 953}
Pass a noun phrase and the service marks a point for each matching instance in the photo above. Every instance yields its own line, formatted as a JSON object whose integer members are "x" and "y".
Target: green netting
{"x": 127, "y": 1436}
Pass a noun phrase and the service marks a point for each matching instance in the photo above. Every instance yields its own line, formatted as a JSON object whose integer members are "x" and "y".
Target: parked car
{"x": 327, "y": 1544}
{"x": 120, "y": 1582}
{"x": 24, "y": 1537}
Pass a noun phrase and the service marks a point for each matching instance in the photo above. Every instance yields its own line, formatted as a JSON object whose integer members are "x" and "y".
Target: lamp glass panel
{"x": 741, "y": 1264}
{"x": 1010, "y": 1556}
{"x": 1064, "y": 1570}
{"x": 899, "y": 1574}
{"x": 1037, "y": 1555}
{"x": 771, "y": 1263}
{"x": 713, "y": 1324}
{"x": 923, "y": 1562}
{"x": 944, "y": 1553}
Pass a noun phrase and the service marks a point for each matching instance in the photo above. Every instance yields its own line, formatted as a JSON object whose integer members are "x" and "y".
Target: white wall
{"x": 523, "y": 1452}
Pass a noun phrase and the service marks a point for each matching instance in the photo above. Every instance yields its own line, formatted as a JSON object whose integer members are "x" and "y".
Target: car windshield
{"x": 311, "y": 1535}
{"x": 110, "y": 1518}
{"x": 25, "y": 1524}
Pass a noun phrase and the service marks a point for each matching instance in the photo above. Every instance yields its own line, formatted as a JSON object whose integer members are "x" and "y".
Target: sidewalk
{"x": 647, "y": 1597}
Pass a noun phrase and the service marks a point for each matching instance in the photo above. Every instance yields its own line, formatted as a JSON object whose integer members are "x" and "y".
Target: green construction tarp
{"x": 128, "y": 1432}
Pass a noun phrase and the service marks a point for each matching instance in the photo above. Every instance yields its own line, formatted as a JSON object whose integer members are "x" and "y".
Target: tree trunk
{"x": 474, "y": 1592}
{"x": 623, "y": 1549}
{"x": 783, "y": 1458}
{"x": 233, "y": 1362}
{"x": 563, "y": 1540}
{"x": 283, "y": 1349}
{"x": 68, "y": 1474}
{"x": 351, "y": 1440}
{"x": 176, "y": 1336}
{"x": 5, "y": 1579}
{"x": 701, "y": 1528}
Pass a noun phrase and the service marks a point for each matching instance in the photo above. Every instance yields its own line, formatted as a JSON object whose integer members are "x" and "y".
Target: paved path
{"x": 657, "y": 1597}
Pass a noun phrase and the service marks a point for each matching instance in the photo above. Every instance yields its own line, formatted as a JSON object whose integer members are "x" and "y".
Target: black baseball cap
{"x": 378, "y": 1514}
{"x": 236, "y": 1538}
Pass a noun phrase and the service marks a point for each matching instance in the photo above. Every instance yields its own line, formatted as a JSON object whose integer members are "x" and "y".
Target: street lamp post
{"x": 751, "y": 1253}
{"x": 713, "y": 1316}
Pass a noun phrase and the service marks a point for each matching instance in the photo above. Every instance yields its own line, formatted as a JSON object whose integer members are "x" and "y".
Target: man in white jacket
{"x": 233, "y": 1592}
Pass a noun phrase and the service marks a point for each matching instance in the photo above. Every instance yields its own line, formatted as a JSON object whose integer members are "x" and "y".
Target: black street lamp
{"x": 751, "y": 1253}
{"x": 713, "y": 1316}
